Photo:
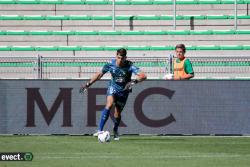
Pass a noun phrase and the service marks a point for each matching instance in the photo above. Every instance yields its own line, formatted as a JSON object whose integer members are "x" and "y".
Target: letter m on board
{"x": 34, "y": 96}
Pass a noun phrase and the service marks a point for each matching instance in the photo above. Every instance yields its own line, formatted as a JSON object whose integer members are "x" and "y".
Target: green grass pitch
{"x": 139, "y": 151}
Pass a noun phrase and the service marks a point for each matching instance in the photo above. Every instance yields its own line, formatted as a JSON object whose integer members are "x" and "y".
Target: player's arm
{"x": 95, "y": 78}
{"x": 187, "y": 76}
{"x": 140, "y": 76}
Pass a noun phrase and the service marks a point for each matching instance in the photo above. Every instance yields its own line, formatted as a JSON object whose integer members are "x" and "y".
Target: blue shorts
{"x": 120, "y": 96}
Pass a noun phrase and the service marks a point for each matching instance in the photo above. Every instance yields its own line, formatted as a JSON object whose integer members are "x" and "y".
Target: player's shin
{"x": 104, "y": 118}
{"x": 116, "y": 123}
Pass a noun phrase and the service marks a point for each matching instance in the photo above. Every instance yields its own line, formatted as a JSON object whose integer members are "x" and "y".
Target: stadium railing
{"x": 84, "y": 67}
{"x": 123, "y": 2}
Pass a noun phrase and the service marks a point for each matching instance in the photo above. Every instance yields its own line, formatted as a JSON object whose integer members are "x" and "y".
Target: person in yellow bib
{"x": 183, "y": 69}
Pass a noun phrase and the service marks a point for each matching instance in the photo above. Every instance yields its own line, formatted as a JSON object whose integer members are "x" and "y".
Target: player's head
{"x": 180, "y": 51}
{"x": 121, "y": 56}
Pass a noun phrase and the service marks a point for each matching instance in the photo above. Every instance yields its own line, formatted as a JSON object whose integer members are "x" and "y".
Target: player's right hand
{"x": 84, "y": 88}
{"x": 129, "y": 85}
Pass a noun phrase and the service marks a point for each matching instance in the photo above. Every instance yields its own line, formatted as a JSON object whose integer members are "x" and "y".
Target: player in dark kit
{"x": 119, "y": 87}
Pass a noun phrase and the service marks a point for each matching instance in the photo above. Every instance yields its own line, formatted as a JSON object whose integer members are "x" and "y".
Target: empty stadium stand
{"x": 46, "y": 29}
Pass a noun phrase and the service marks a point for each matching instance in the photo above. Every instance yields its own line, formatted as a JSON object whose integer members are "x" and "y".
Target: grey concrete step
{"x": 54, "y": 40}
{"x": 142, "y": 54}
{"x": 121, "y": 9}
{"x": 121, "y": 24}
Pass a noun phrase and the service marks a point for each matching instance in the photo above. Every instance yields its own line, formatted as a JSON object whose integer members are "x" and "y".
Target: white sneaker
{"x": 97, "y": 133}
{"x": 116, "y": 136}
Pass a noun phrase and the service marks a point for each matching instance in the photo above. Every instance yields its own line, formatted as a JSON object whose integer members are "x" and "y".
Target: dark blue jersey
{"x": 120, "y": 75}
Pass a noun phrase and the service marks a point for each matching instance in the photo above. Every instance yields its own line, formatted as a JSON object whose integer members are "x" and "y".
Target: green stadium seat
{"x": 10, "y": 17}
{"x": 189, "y": 17}
{"x": 134, "y": 47}
{"x": 109, "y": 33}
{"x": 112, "y": 48}
{"x": 96, "y": 2}
{"x": 63, "y": 33}
{"x": 132, "y": 32}
{"x": 26, "y": 1}
{"x": 22, "y": 48}
{"x": 216, "y": 17}
{"x": 17, "y": 32}
{"x": 40, "y": 33}
{"x": 208, "y": 1}
{"x": 207, "y": 47}
{"x": 146, "y": 17}
{"x": 154, "y": 32}
{"x": 140, "y": 2}
{"x": 223, "y": 32}
{"x": 200, "y": 32}
{"x": 49, "y": 1}
{"x": 101, "y": 17}
{"x": 86, "y": 32}
{"x": 5, "y": 48}
{"x": 79, "y": 17}
{"x": 33, "y": 17}
{"x": 231, "y": 1}
{"x": 57, "y": 17}
{"x": 3, "y": 32}
{"x": 69, "y": 48}
{"x": 92, "y": 48}
{"x": 231, "y": 47}
{"x": 166, "y": 17}
{"x": 186, "y": 2}
{"x": 178, "y": 32}
{"x": 73, "y": 2}
{"x": 46, "y": 48}
{"x": 243, "y": 16}
{"x": 120, "y": 2}
{"x": 242, "y": 31}
{"x": 162, "y": 48}
{"x": 162, "y": 2}
{"x": 246, "y": 47}
{"x": 124, "y": 17}
{"x": 190, "y": 47}
{"x": 7, "y": 2}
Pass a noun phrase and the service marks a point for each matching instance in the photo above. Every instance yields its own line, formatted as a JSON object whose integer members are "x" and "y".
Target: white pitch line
{"x": 141, "y": 156}
{"x": 139, "y": 142}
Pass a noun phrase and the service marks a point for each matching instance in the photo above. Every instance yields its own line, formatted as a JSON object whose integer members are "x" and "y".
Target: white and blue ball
{"x": 104, "y": 136}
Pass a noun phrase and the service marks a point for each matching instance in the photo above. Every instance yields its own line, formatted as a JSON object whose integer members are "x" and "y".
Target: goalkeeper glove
{"x": 84, "y": 88}
{"x": 130, "y": 84}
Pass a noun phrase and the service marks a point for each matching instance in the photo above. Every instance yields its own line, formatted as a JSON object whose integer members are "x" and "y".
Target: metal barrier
{"x": 84, "y": 67}
{"x": 19, "y": 67}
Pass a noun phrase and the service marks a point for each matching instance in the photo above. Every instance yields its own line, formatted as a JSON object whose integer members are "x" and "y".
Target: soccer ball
{"x": 104, "y": 136}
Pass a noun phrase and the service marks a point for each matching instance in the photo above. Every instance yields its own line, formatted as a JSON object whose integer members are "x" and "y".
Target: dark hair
{"x": 181, "y": 46}
{"x": 122, "y": 52}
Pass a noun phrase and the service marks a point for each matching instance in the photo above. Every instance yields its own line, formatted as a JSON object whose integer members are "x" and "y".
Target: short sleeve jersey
{"x": 120, "y": 75}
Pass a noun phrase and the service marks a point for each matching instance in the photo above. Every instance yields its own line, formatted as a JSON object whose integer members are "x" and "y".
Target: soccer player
{"x": 119, "y": 87}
